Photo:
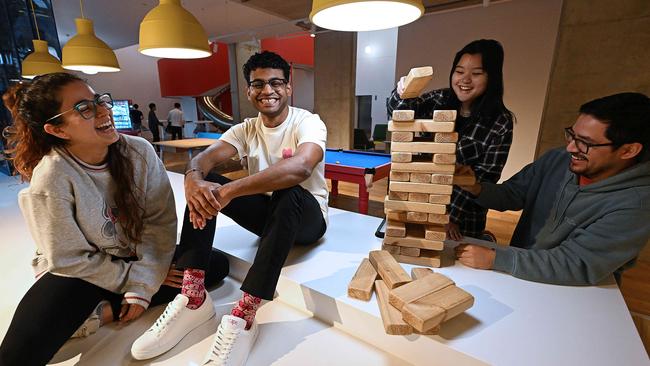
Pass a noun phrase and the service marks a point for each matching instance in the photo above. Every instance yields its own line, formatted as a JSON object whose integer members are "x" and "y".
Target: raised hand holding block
{"x": 417, "y": 289}
{"x": 416, "y": 80}
{"x": 362, "y": 282}
{"x": 390, "y": 271}
{"x": 391, "y": 317}
{"x": 403, "y": 115}
{"x": 444, "y": 115}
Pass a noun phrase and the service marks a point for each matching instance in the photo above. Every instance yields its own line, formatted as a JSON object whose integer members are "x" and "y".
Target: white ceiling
{"x": 117, "y": 22}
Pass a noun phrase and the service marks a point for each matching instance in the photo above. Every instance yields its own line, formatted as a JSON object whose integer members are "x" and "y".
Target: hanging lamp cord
{"x": 81, "y": 6}
{"x": 38, "y": 34}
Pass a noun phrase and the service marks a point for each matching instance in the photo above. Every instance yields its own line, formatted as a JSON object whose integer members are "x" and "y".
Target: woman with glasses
{"x": 101, "y": 212}
{"x": 483, "y": 123}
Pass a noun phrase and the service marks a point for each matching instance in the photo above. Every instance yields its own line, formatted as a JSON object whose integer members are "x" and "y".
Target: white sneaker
{"x": 232, "y": 342}
{"x": 172, "y": 325}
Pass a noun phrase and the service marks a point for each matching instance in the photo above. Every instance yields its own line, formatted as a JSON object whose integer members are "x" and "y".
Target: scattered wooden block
{"x": 399, "y": 176}
{"x": 392, "y": 249}
{"x": 401, "y": 136}
{"x": 429, "y": 188}
{"x": 442, "y": 178}
{"x": 421, "y": 125}
{"x": 424, "y": 147}
{"x": 362, "y": 282}
{"x": 420, "y": 178}
{"x": 416, "y": 80}
{"x": 419, "y": 272}
{"x": 413, "y": 242}
{"x": 418, "y": 197}
{"x": 390, "y": 271}
{"x": 438, "y": 218}
{"x": 410, "y": 251}
{"x": 432, "y": 232}
{"x": 444, "y": 115}
{"x": 441, "y": 199}
{"x": 398, "y": 196}
{"x": 423, "y": 317}
{"x": 425, "y": 313}
{"x": 401, "y": 157}
{"x": 446, "y": 137}
{"x": 444, "y": 158}
{"x": 395, "y": 229}
{"x": 428, "y": 258}
{"x": 415, "y": 206}
{"x": 403, "y": 115}
{"x": 417, "y": 216}
{"x": 423, "y": 168}
{"x": 391, "y": 317}
{"x": 417, "y": 289}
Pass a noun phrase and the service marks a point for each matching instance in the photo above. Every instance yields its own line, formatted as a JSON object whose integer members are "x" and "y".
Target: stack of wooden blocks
{"x": 408, "y": 305}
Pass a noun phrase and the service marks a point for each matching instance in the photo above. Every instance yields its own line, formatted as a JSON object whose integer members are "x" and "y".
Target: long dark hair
{"x": 490, "y": 104}
{"x": 31, "y": 104}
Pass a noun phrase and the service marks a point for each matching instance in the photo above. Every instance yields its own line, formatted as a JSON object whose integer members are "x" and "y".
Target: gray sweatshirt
{"x": 570, "y": 234}
{"x": 73, "y": 219}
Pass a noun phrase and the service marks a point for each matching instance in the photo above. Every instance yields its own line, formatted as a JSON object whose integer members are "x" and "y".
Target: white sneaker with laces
{"x": 232, "y": 342}
{"x": 171, "y": 326}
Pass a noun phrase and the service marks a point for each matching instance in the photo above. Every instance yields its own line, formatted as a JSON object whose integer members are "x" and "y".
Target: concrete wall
{"x": 603, "y": 48}
{"x": 334, "y": 70}
{"x": 526, "y": 28}
{"x": 376, "y": 55}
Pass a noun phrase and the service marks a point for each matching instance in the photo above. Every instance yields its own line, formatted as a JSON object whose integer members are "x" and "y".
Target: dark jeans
{"x": 55, "y": 306}
{"x": 287, "y": 217}
{"x": 177, "y": 132}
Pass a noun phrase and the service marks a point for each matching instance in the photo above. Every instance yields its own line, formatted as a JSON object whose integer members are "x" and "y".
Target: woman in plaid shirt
{"x": 484, "y": 125}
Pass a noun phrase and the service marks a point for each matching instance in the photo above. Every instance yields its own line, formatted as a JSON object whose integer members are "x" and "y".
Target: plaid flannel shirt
{"x": 482, "y": 144}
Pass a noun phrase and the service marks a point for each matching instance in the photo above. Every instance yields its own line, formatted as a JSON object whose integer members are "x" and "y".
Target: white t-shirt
{"x": 175, "y": 117}
{"x": 263, "y": 146}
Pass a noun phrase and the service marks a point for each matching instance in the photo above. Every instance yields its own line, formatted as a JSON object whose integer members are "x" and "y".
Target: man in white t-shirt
{"x": 175, "y": 122}
{"x": 283, "y": 200}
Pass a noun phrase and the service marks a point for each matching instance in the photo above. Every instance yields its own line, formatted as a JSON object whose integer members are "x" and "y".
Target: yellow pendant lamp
{"x": 170, "y": 31}
{"x": 40, "y": 61}
{"x": 364, "y": 15}
{"x": 86, "y": 53}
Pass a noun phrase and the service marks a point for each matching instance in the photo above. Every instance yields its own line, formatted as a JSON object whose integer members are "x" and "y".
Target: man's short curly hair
{"x": 265, "y": 60}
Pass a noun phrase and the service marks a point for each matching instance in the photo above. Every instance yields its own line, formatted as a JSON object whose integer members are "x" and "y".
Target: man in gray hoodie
{"x": 586, "y": 208}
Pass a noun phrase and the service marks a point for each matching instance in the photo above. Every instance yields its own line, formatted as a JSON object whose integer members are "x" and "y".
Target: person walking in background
{"x": 153, "y": 122}
{"x": 176, "y": 122}
{"x": 136, "y": 118}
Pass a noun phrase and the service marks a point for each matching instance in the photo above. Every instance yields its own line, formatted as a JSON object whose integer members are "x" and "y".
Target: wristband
{"x": 194, "y": 170}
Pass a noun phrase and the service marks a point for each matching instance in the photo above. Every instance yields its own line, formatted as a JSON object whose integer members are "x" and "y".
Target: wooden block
{"x": 416, "y": 80}
{"x": 432, "y": 232}
{"x": 399, "y": 176}
{"x": 422, "y": 168}
{"x": 441, "y": 199}
{"x": 392, "y": 249}
{"x": 363, "y": 281}
{"x": 403, "y": 115}
{"x": 417, "y": 216}
{"x": 444, "y": 115}
{"x": 442, "y": 178}
{"x": 417, "y": 289}
{"x": 398, "y": 196}
{"x": 438, "y": 218}
{"x": 429, "y": 188}
{"x": 424, "y": 147}
{"x": 444, "y": 158}
{"x": 426, "y": 258}
{"x": 396, "y": 215}
{"x": 446, "y": 137}
{"x": 395, "y": 229}
{"x": 419, "y": 272}
{"x": 424, "y": 313}
{"x": 391, "y": 317}
{"x": 402, "y": 136}
{"x": 420, "y": 178}
{"x": 418, "y": 197}
{"x": 401, "y": 157}
{"x": 415, "y": 206}
{"x": 390, "y": 271}
{"x": 410, "y": 251}
{"x": 415, "y": 238}
{"x": 421, "y": 125}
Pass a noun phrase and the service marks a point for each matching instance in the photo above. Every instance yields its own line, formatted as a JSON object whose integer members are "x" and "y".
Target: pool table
{"x": 359, "y": 167}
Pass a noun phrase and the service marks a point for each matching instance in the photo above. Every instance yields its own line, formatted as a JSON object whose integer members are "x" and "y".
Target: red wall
{"x": 297, "y": 50}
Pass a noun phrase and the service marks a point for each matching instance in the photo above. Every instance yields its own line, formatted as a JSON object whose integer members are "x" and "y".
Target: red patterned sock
{"x": 194, "y": 287}
{"x": 246, "y": 308}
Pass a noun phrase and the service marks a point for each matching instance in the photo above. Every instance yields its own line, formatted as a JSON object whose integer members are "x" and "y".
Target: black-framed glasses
{"x": 582, "y": 145}
{"x": 88, "y": 108}
{"x": 275, "y": 83}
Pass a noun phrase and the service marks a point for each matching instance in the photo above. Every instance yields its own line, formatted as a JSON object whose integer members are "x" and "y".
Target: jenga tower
{"x": 421, "y": 179}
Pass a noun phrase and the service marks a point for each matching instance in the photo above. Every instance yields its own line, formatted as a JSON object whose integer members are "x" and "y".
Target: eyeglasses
{"x": 88, "y": 108}
{"x": 582, "y": 145}
{"x": 275, "y": 83}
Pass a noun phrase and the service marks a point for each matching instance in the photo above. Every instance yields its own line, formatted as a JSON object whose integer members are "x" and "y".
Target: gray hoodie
{"x": 72, "y": 217}
{"x": 569, "y": 234}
